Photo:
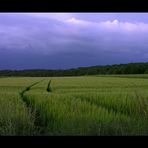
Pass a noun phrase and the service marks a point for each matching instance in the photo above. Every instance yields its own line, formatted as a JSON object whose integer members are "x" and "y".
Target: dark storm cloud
{"x": 64, "y": 40}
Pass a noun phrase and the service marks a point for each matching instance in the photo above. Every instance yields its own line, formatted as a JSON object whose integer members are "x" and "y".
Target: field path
{"x": 48, "y": 86}
{"x": 29, "y": 87}
{"x": 27, "y": 103}
{"x": 34, "y": 111}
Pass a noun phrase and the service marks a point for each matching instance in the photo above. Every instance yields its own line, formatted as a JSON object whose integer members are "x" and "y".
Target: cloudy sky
{"x": 68, "y": 40}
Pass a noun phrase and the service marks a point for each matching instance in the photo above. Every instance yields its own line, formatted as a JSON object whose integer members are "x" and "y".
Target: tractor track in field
{"x": 37, "y": 121}
{"x": 30, "y": 108}
{"x": 48, "y": 86}
{"x": 29, "y": 87}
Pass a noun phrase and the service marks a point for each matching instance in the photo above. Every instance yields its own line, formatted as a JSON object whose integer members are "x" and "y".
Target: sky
{"x": 70, "y": 40}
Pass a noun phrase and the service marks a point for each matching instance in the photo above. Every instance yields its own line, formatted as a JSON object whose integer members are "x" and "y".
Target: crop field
{"x": 87, "y": 105}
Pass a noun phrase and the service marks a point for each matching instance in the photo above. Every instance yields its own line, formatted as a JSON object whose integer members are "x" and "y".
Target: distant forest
{"x": 130, "y": 68}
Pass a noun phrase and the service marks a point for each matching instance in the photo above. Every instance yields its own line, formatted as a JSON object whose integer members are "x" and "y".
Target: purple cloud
{"x": 77, "y": 39}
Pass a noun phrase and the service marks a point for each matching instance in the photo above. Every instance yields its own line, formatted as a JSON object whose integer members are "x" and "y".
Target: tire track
{"x": 29, "y": 87}
{"x": 32, "y": 109}
{"x": 48, "y": 86}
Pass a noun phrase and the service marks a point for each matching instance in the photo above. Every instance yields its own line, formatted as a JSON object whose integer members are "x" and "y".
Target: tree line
{"x": 130, "y": 68}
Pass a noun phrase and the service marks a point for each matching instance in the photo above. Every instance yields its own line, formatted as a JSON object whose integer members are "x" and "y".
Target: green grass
{"x": 15, "y": 118}
{"x": 74, "y": 106}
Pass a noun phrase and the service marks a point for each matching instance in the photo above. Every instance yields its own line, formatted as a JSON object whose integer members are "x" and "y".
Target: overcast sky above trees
{"x": 67, "y": 40}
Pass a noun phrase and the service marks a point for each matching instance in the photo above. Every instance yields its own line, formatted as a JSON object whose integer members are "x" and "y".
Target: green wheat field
{"x": 61, "y": 106}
